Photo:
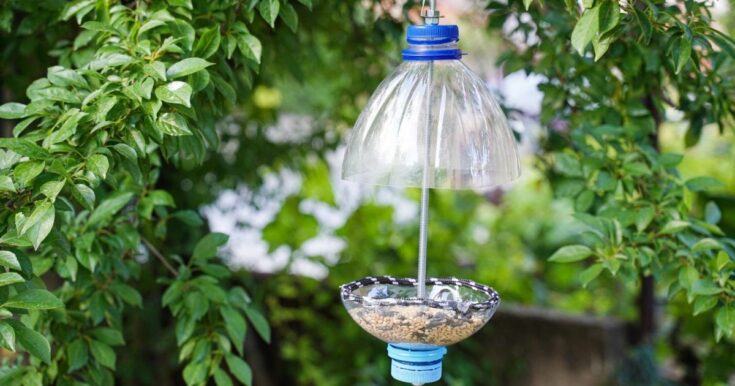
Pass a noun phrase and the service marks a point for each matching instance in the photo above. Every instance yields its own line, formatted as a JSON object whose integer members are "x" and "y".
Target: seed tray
{"x": 389, "y": 309}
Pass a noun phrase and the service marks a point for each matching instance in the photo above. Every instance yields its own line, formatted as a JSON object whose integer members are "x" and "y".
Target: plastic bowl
{"x": 388, "y": 308}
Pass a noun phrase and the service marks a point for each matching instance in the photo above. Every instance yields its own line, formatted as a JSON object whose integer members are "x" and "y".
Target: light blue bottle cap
{"x": 416, "y": 364}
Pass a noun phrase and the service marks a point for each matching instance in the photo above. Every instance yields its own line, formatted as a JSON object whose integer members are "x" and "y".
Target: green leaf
{"x": 60, "y": 76}
{"x": 73, "y": 7}
{"x": 670, "y": 160}
{"x": 77, "y": 354}
{"x": 26, "y": 172}
{"x": 173, "y": 124}
{"x": 25, "y": 147}
{"x": 705, "y": 287}
{"x": 706, "y": 244}
{"x": 126, "y": 151}
{"x": 235, "y": 326}
{"x": 527, "y": 4}
{"x": 9, "y": 260}
{"x": 39, "y": 223}
{"x": 643, "y": 217}
{"x": 207, "y": 247}
{"x": 84, "y": 194}
{"x": 128, "y": 294}
{"x": 111, "y": 60}
{"x": 609, "y": 15}
{"x": 58, "y": 94}
{"x": 52, "y": 189}
{"x": 8, "y": 278}
{"x": 571, "y": 253}
{"x": 269, "y": 10}
{"x": 72, "y": 266}
{"x": 239, "y": 369}
{"x": 108, "y": 336}
{"x": 688, "y": 276}
{"x": 6, "y": 184}
{"x": 225, "y": 89}
{"x": 155, "y": 70}
{"x": 586, "y": 29}
{"x": 601, "y": 45}
{"x": 161, "y": 197}
{"x": 184, "y": 328}
{"x": 259, "y": 322}
{"x": 238, "y": 297}
{"x": 12, "y": 110}
{"x": 196, "y": 303}
{"x": 149, "y": 25}
{"x": 109, "y": 207}
{"x": 307, "y": 3}
{"x": 33, "y": 342}
{"x": 172, "y": 293}
{"x": 685, "y": 52}
{"x": 103, "y": 353}
{"x": 712, "y": 213}
{"x": 699, "y": 184}
{"x": 8, "y": 336}
{"x": 188, "y": 217}
{"x": 100, "y": 27}
{"x": 184, "y": 31}
{"x": 704, "y": 304}
{"x": 584, "y": 201}
{"x": 723, "y": 259}
{"x": 23, "y": 125}
{"x": 725, "y": 319}
{"x": 34, "y": 299}
{"x": 195, "y": 373}
{"x": 250, "y": 46}
{"x": 186, "y": 67}
{"x": 208, "y": 43}
{"x": 636, "y": 168}
{"x": 98, "y": 164}
{"x": 289, "y": 16}
{"x": 567, "y": 165}
{"x": 674, "y": 226}
{"x": 589, "y": 274}
{"x": 176, "y": 92}
{"x": 221, "y": 378}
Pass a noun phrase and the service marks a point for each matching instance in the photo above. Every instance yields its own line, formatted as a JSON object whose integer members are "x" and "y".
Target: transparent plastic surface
{"x": 393, "y": 313}
{"x": 469, "y": 143}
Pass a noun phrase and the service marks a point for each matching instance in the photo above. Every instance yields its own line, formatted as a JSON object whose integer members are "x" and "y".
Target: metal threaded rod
{"x": 432, "y": 15}
{"x": 424, "y": 214}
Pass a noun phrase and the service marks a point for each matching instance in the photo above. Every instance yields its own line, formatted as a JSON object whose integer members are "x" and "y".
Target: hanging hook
{"x": 432, "y": 15}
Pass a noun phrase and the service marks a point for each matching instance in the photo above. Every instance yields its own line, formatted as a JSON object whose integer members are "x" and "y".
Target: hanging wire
{"x": 430, "y": 17}
{"x": 424, "y": 211}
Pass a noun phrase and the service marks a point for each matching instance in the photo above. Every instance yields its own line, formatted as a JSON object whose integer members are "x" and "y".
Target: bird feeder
{"x": 432, "y": 123}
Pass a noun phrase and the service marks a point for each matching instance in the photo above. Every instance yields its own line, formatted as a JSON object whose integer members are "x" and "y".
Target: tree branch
{"x": 160, "y": 257}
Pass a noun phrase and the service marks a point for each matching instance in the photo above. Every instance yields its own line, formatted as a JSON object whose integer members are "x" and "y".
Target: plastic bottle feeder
{"x": 416, "y": 328}
{"x": 432, "y": 123}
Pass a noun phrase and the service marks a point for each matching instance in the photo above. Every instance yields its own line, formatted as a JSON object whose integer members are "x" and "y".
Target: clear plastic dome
{"x": 389, "y": 309}
{"x": 469, "y": 143}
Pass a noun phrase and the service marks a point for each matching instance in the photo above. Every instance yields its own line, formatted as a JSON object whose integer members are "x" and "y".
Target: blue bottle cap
{"x": 424, "y": 38}
{"x": 416, "y": 364}
{"x": 432, "y": 34}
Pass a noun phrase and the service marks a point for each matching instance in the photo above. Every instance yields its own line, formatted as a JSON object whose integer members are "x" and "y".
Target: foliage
{"x": 647, "y": 56}
{"x": 136, "y": 86}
